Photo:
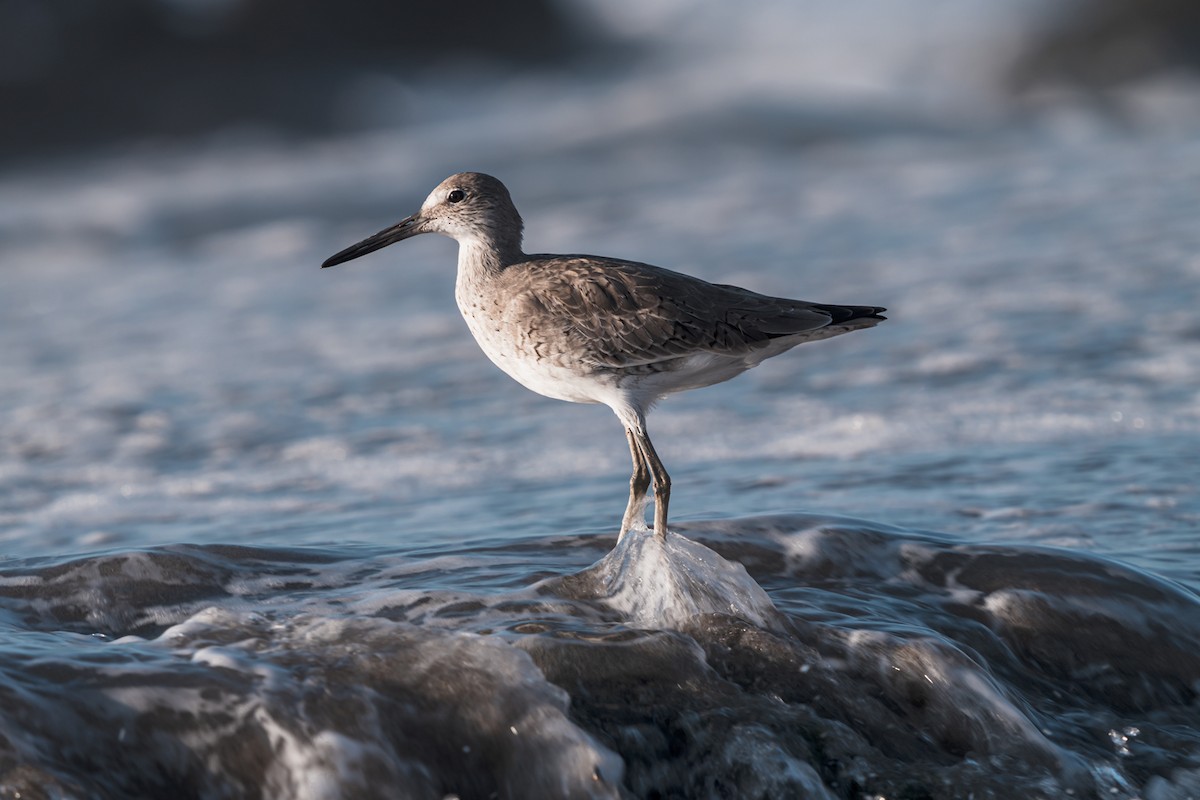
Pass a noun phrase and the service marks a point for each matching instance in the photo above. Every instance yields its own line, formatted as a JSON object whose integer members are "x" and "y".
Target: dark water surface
{"x": 843, "y": 660}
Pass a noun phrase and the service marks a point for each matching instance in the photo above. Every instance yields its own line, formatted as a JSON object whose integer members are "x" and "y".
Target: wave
{"x": 774, "y": 656}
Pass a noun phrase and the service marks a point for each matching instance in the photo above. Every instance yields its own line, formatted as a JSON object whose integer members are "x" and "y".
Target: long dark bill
{"x": 396, "y": 233}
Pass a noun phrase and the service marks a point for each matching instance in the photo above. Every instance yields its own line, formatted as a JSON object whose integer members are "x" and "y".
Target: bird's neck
{"x": 481, "y": 259}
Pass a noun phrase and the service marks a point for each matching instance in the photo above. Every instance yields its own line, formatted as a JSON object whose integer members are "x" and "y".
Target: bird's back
{"x": 616, "y": 314}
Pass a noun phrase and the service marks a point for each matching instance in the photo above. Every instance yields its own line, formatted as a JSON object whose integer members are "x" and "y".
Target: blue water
{"x": 269, "y": 530}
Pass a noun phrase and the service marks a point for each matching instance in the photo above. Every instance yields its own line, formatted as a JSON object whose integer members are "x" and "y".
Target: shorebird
{"x": 589, "y": 329}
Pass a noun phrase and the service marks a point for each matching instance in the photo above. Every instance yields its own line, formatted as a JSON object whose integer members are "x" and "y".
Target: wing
{"x": 620, "y": 314}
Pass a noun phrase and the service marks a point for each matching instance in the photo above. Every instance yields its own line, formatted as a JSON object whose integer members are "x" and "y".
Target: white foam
{"x": 659, "y": 583}
{"x": 320, "y": 752}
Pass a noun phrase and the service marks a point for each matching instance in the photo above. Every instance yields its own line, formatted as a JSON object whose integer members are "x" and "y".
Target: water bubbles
{"x": 1137, "y": 423}
{"x": 1120, "y": 739}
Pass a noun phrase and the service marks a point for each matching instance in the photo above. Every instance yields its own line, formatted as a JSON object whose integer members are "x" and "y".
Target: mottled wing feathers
{"x": 620, "y": 314}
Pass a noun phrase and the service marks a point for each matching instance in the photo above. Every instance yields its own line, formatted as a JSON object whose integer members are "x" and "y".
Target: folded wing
{"x": 621, "y": 314}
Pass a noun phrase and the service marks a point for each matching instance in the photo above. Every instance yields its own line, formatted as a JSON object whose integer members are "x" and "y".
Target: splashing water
{"x": 763, "y": 657}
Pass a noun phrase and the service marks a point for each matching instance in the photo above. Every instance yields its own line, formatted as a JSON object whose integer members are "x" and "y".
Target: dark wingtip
{"x": 847, "y": 313}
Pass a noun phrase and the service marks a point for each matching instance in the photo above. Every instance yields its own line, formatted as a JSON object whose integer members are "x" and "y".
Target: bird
{"x": 589, "y": 329}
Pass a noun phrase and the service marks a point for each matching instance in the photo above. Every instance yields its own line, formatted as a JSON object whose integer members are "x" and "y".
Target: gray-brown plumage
{"x": 602, "y": 330}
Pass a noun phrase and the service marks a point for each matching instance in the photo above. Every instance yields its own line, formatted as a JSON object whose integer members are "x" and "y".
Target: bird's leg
{"x": 635, "y": 512}
{"x": 662, "y": 481}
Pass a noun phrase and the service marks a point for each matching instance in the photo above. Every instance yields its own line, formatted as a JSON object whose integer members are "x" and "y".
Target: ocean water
{"x": 275, "y": 531}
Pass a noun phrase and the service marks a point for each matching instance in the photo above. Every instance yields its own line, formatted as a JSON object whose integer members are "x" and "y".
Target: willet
{"x": 603, "y": 330}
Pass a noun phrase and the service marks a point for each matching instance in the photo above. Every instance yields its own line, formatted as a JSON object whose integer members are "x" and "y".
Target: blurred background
{"x": 86, "y": 73}
{"x": 1015, "y": 179}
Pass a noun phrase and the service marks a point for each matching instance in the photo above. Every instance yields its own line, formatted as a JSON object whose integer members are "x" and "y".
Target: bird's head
{"x": 469, "y": 207}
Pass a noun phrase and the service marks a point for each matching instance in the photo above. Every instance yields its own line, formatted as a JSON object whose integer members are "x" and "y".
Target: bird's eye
{"x": 456, "y": 196}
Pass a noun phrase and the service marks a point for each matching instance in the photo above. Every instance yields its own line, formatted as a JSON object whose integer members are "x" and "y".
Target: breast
{"x": 529, "y": 362}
